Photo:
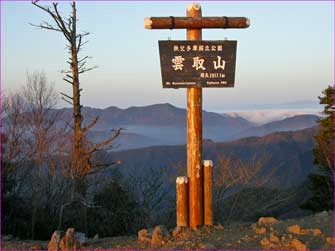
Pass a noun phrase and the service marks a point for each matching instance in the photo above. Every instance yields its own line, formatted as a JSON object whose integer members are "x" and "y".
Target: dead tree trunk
{"x": 82, "y": 153}
{"x": 76, "y": 94}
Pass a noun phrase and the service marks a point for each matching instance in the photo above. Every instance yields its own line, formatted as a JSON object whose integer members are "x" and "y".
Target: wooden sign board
{"x": 197, "y": 63}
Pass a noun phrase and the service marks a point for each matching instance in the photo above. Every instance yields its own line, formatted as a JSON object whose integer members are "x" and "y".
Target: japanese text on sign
{"x": 197, "y": 63}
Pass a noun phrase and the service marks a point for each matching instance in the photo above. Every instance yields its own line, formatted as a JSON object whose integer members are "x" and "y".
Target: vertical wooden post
{"x": 194, "y": 137}
{"x": 208, "y": 192}
{"x": 182, "y": 201}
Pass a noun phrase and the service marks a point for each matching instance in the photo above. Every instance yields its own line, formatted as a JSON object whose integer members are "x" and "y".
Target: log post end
{"x": 193, "y": 6}
{"x": 182, "y": 180}
{"x": 247, "y": 22}
{"x": 148, "y": 23}
{"x": 208, "y": 163}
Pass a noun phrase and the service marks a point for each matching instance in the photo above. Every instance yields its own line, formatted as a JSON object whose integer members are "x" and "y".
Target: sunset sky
{"x": 286, "y": 55}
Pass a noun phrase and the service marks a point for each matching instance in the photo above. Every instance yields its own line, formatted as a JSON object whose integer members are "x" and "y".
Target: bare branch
{"x": 66, "y": 95}
{"x": 67, "y": 101}
{"x": 40, "y": 6}
{"x": 69, "y": 76}
{"x": 83, "y": 34}
{"x": 82, "y": 64}
{"x": 87, "y": 128}
{"x": 68, "y": 124}
{"x": 66, "y": 71}
{"x": 83, "y": 59}
{"x": 67, "y": 33}
{"x": 70, "y": 82}
{"x": 100, "y": 167}
{"x": 87, "y": 69}
{"x": 56, "y": 17}
{"x": 106, "y": 142}
{"x": 46, "y": 26}
{"x": 79, "y": 44}
{"x": 69, "y": 23}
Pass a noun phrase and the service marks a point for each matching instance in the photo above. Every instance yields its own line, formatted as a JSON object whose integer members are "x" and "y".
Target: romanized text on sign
{"x": 197, "y": 63}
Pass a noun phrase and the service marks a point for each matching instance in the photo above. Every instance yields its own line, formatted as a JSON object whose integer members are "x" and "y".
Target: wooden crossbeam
{"x": 196, "y": 23}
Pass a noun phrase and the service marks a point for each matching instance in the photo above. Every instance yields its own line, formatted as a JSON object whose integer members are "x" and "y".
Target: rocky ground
{"x": 309, "y": 233}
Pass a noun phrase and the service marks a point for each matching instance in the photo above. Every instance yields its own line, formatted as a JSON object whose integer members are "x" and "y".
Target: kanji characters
{"x": 198, "y": 63}
{"x": 219, "y": 63}
{"x": 178, "y": 63}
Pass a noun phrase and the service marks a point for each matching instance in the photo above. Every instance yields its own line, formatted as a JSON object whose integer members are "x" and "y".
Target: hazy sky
{"x": 286, "y": 55}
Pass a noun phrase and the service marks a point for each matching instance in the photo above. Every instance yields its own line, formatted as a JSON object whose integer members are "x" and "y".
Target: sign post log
{"x": 194, "y": 137}
{"x": 208, "y": 193}
{"x": 182, "y": 201}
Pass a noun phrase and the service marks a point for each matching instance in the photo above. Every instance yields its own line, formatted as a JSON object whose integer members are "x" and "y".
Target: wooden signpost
{"x": 195, "y": 64}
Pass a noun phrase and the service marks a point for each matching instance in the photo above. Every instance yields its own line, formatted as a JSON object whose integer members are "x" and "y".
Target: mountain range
{"x": 287, "y": 157}
{"x": 294, "y": 123}
{"x": 165, "y": 124}
{"x": 260, "y": 117}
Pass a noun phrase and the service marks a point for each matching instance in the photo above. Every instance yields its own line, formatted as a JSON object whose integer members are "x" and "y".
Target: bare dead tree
{"x": 82, "y": 154}
{"x": 29, "y": 134}
{"x": 233, "y": 175}
{"x": 13, "y": 173}
{"x": 150, "y": 189}
{"x": 12, "y": 127}
{"x": 41, "y": 136}
{"x": 12, "y": 144}
{"x": 82, "y": 151}
{"x": 232, "y": 172}
{"x": 40, "y": 118}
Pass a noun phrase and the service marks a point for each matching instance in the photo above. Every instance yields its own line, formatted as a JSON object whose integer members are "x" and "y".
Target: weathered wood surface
{"x": 182, "y": 201}
{"x": 208, "y": 192}
{"x": 196, "y": 23}
{"x": 194, "y": 137}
